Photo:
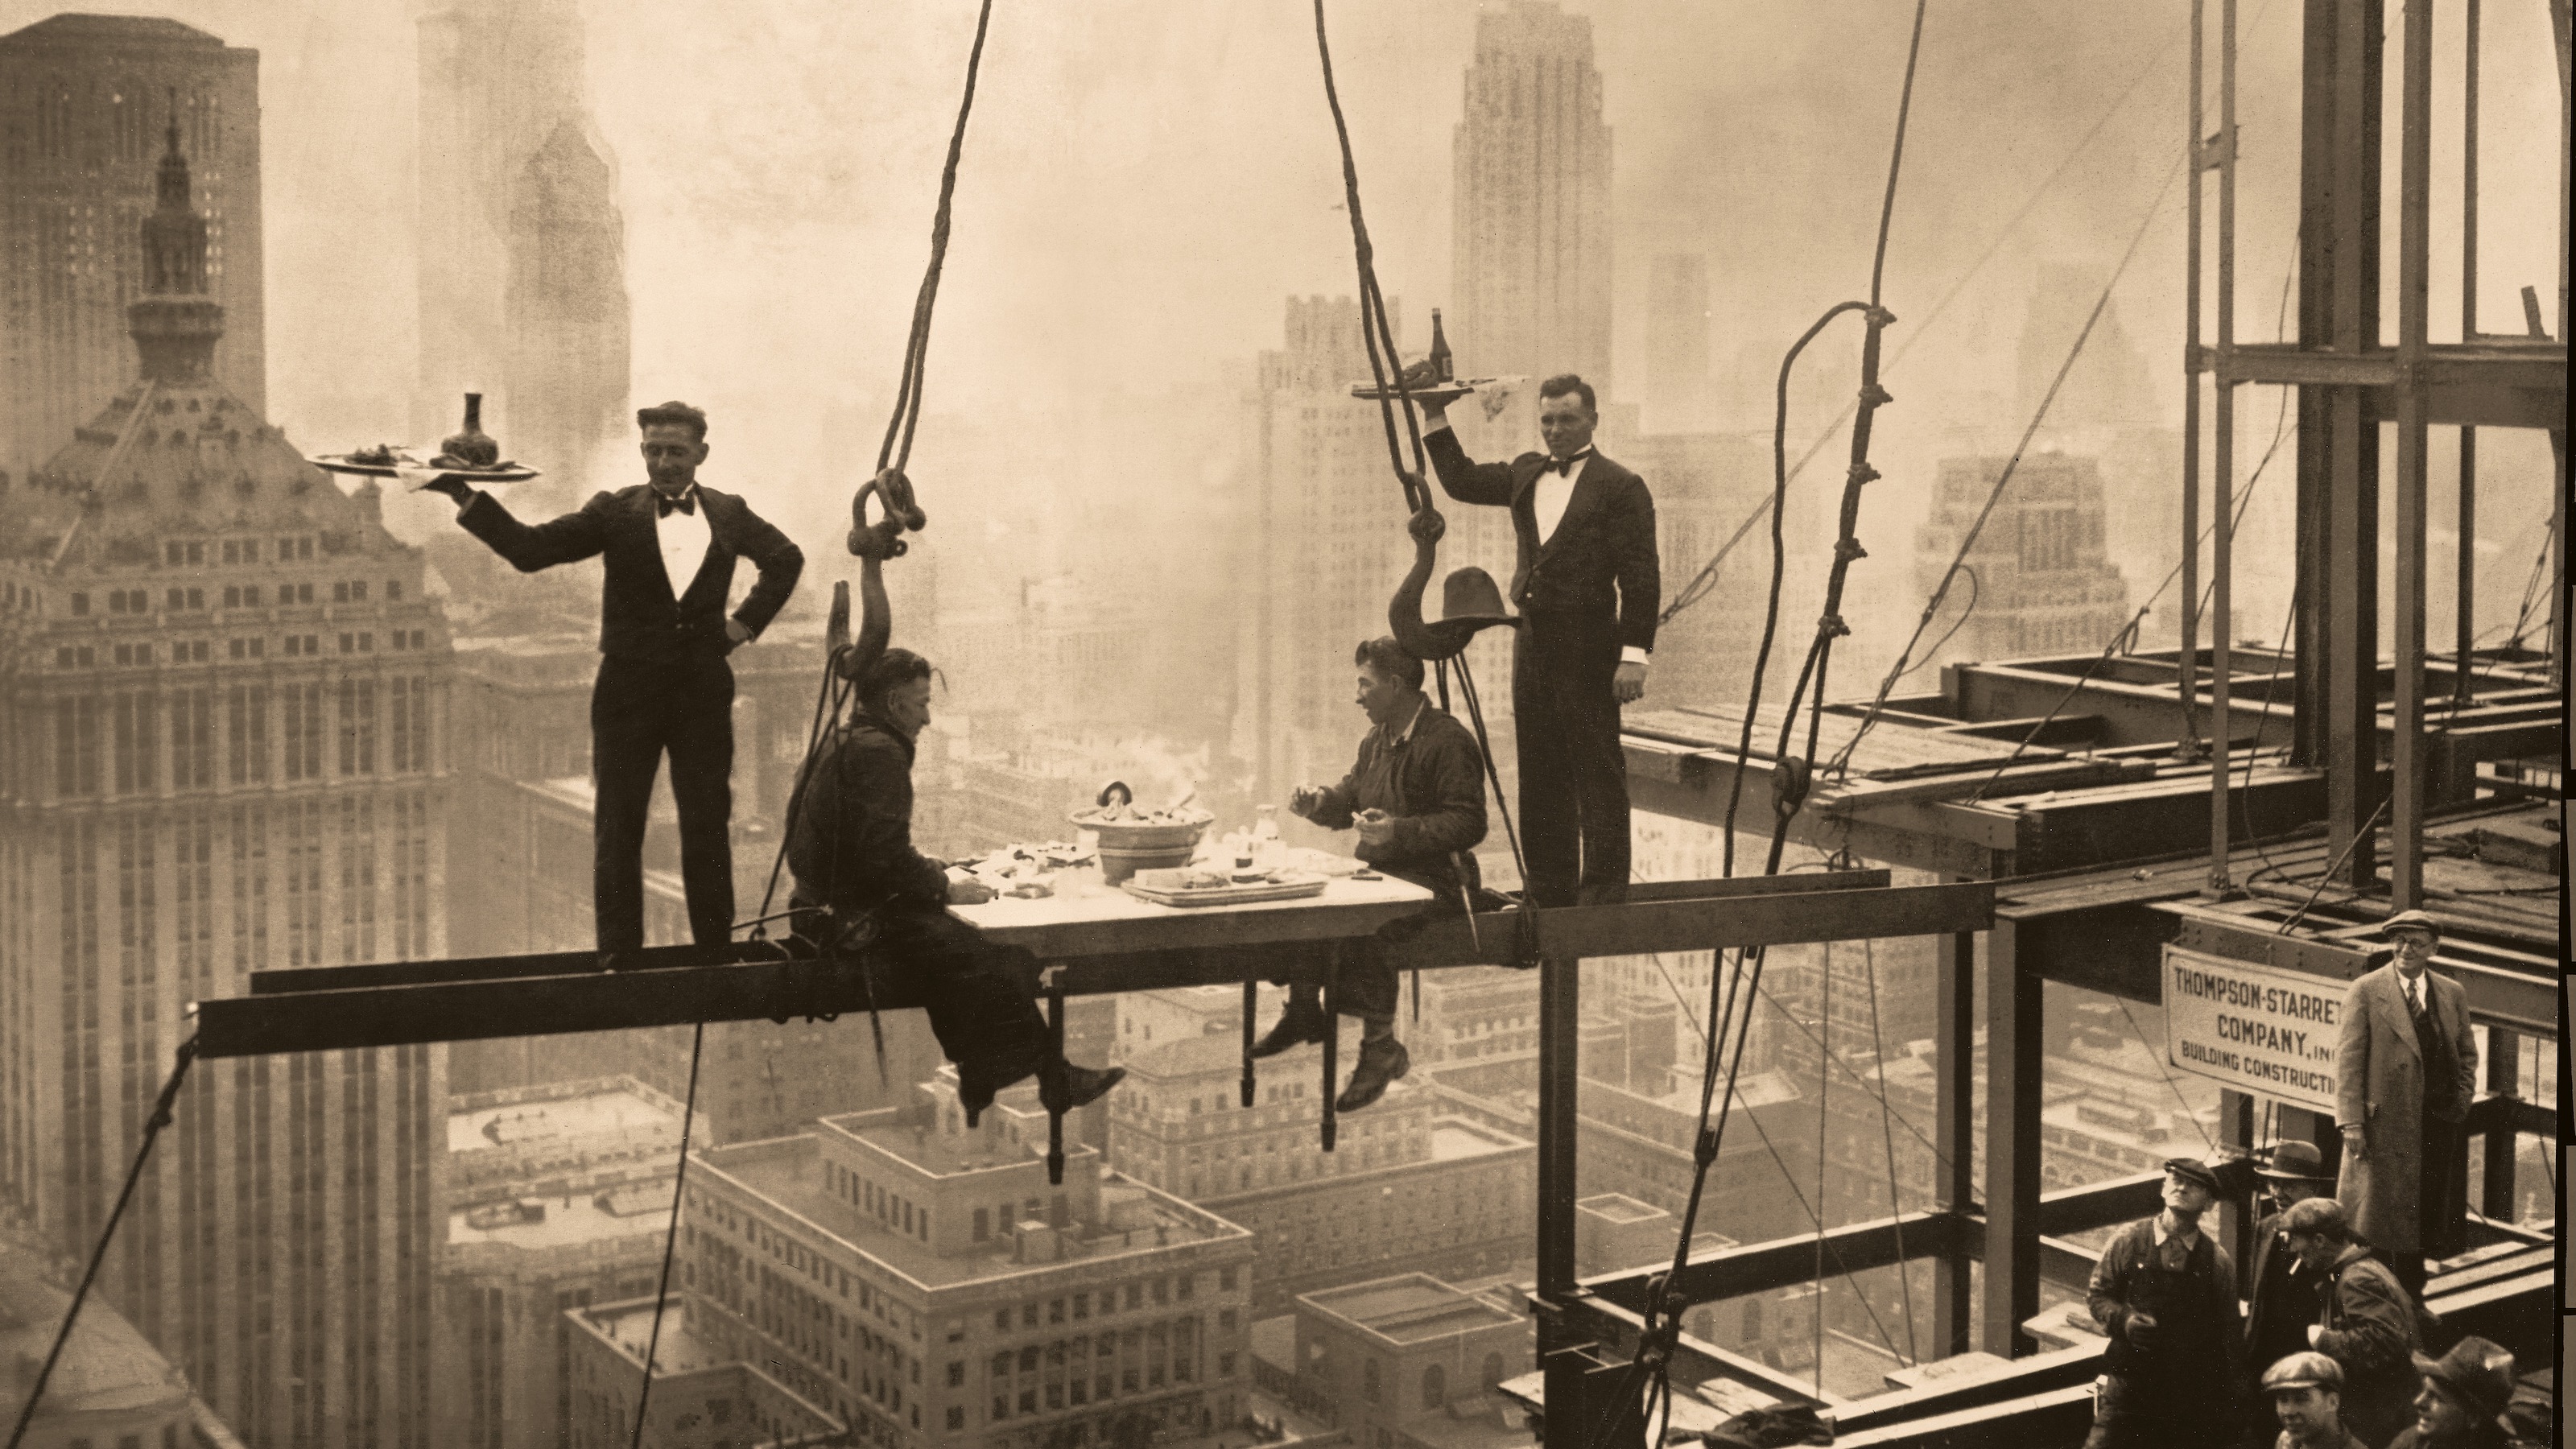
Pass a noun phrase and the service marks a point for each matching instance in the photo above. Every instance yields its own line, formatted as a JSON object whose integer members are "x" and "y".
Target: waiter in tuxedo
{"x": 670, "y": 546}
{"x": 1588, "y": 587}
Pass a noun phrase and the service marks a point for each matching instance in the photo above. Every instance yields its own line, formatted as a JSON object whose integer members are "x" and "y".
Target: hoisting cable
{"x": 1736, "y": 1009}
{"x": 892, "y": 454}
{"x": 160, "y": 1118}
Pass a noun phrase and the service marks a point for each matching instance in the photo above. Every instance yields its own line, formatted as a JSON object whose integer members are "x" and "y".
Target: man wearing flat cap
{"x": 2405, "y": 1073}
{"x": 2465, "y": 1395}
{"x": 2165, "y": 1292}
{"x": 2305, "y": 1392}
{"x": 2365, "y": 1320}
{"x": 669, "y": 546}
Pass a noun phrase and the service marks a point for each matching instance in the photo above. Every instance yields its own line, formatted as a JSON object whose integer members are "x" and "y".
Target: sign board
{"x": 2258, "y": 1029}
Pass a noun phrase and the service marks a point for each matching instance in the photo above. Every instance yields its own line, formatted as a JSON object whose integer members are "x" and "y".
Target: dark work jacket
{"x": 1599, "y": 565}
{"x": 2285, "y": 1302}
{"x": 2199, "y": 1350}
{"x": 2368, "y": 1320}
{"x": 851, "y": 846}
{"x": 638, "y": 616}
{"x": 1432, "y": 782}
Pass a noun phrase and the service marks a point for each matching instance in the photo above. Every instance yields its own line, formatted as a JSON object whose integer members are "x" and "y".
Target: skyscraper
{"x": 522, "y": 254}
{"x": 1530, "y": 236}
{"x": 224, "y": 692}
{"x": 83, "y": 101}
{"x": 2040, "y": 579}
{"x": 1677, "y": 386}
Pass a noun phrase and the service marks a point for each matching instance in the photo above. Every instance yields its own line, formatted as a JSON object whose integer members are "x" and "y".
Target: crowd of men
{"x": 2330, "y": 1352}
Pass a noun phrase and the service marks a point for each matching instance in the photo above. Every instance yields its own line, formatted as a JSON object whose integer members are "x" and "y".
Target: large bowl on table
{"x": 1149, "y": 840}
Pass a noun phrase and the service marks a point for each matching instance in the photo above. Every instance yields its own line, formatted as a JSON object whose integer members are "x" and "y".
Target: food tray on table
{"x": 373, "y": 465}
{"x": 1190, "y": 886}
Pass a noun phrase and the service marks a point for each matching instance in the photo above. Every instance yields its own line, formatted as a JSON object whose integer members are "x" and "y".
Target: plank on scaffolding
{"x": 1170, "y": 948}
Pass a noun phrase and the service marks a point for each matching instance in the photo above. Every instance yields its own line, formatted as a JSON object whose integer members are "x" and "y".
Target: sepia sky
{"x": 1145, "y": 180}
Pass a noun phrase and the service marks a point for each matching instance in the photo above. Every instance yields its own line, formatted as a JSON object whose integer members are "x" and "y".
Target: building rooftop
{"x": 786, "y": 1172}
{"x": 1619, "y": 1208}
{"x": 1456, "y": 1138}
{"x": 630, "y": 1209}
{"x": 629, "y": 1326}
{"x": 599, "y": 1108}
{"x": 80, "y": 29}
{"x": 107, "y": 1368}
{"x": 1409, "y": 1308}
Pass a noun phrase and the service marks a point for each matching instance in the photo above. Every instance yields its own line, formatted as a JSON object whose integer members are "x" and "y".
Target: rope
{"x": 670, "y": 1239}
{"x": 1941, "y": 592}
{"x": 1887, "y": 1132}
{"x": 161, "y": 1114}
{"x": 916, "y": 356}
{"x": 1374, "y": 330}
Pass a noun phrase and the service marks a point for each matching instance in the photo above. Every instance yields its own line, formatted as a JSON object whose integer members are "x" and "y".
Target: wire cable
{"x": 1887, "y": 1133}
{"x": 670, "y": 1239}
{"x": 2170, "y": 1084}
{"x": 162, "y": 1108}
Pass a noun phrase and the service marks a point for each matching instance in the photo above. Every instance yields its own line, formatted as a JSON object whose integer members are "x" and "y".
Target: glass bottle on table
{"x": 1269, "y": 851}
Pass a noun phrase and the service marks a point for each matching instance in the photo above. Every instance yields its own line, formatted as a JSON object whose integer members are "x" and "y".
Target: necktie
{"x": 1564, "y": 465}
{"x": 664, "y": 507}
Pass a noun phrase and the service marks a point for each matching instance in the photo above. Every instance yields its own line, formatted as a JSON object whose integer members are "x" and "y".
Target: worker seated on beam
{"x": 1417, "y": 796}
{"x": 851, "y": 850}
{"x": 664, "y": 685}
{"x": 2166, "y": 1295}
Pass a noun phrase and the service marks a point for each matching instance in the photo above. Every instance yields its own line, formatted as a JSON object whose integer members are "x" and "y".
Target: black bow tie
{"x": 1564, "y": 465}
{"x": 664, "y": 507}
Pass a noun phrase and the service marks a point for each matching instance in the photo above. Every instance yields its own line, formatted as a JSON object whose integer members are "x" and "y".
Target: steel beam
{"x": 2013, "y": 1069}
{"x": 1761, "y": 1267}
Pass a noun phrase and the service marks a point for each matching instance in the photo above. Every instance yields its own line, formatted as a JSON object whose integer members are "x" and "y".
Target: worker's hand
{"x": 1305, "y": 800}
{"x": 1629, "y": 685}
{"x": 2142, "y": 1330}
{"x": 967, "y": 890}
{"x": 1377, "y": 828}
{"x": 737, "y": 634}
{"x": 2356, "y": 1142}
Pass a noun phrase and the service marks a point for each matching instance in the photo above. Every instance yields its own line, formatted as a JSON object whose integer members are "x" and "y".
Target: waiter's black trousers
{"x": 638, "y": 709}
{"x": 1574, "y": 779}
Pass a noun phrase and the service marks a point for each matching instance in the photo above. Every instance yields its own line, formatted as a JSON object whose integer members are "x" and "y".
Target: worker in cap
{"x": 2405, "y": 1073}
{"x": 2165, "y": 1293}
{"x": 2286, "y": 1293}
{"x": 2365, "y": 1320}
{"x": 2305, "y": 1392}
{"x": 2465, "y": 1395}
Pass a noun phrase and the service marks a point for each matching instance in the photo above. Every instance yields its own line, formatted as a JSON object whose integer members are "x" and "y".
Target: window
{"x": 1369, "y": 1381}
{"x": 1001, "y": 1406}
{"x": 1435, "y": 1387}
{"x": 1225, "y": 1365}
{"x": 393, "y": 590}
{"x": 340, "y": 592}
{"x": 1493, "y": 1369}
{"x": 957, "y": 1373}
{"x": 983, "y": 1218}
{"x": 1225, "y": 1280}
{"x": 80, "y": 603}
{"x": 246, "y": 733}
{"x": 956, "y": 1417}
{"x": 76, "y": 746}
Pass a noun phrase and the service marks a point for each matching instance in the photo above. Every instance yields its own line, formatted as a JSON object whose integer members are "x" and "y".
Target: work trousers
{"x": 1574, "y": 778}
{"x": 2127, "y": 1416}
{"x": 981, "y": 995}
{"x": 1365, "y": 987}
{"x": 640, "y": 708}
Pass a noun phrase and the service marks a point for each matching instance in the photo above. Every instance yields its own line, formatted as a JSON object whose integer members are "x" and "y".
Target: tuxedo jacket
{"x": 639, "y": 616}
{"x": 1599, "y": 565}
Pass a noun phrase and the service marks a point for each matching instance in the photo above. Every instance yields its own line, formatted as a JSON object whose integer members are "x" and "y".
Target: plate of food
{"x": 1198, "y": 885}
{"x": 387, "y": 461}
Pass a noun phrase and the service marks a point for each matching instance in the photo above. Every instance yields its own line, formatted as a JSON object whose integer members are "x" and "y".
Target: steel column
{"x": 2504, "y": 1079}
{"x": 2464, "y": 611}
{"x": 1954, "y": 1129}
{"x": 1559, "y": 1007}
{"x": 2222, "y": 619}
{"x": 2414, "y": 243}
{"x": 2235, "y": 1224}
{"x": 2013, "y": 1065}
{"x": 2187, "y": 671}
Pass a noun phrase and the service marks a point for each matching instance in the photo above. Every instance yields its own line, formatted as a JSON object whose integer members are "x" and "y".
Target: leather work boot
{"x": 1064, "y": 1086}
{"x": 1299, "y": 1025}
{"x": 1382, "y": 1063}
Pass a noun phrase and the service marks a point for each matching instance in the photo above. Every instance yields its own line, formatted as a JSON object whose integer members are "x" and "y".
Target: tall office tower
{"x": 1411, "y": 1186}
{"x": 522, "y": 258}
{"x": 565, "y": 376}
{"x": 2044, "y": 581}
{"x": 920, "y": 1280}
{"x": 1530, "y": 238}
{"x": 226, "y": 691}
{"x": 1324, "y": 545}
{"x": 1678, "y": 396}
{"x": 84, "y": 100}
{"x": 558, "y": 1196}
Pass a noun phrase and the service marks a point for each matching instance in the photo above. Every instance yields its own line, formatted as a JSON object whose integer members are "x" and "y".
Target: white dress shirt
{"x": 684, "y": 538}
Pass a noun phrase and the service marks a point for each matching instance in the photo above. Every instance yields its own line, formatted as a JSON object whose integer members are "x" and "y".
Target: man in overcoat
{"x": 2406, "y": 1070}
